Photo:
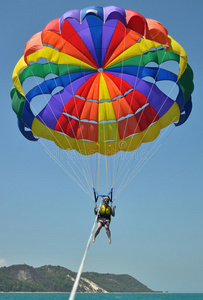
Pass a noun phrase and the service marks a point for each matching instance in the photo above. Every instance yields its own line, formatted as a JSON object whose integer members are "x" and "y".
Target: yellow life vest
{"x": 105, "y": 211}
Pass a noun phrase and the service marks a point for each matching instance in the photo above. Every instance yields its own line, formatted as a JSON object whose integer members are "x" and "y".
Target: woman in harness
{"x": 104, "y": 218}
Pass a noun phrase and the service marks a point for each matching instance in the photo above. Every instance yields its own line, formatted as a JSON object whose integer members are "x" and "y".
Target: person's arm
{"x": 113, "y": 211}
{"x": 95, "y": 210}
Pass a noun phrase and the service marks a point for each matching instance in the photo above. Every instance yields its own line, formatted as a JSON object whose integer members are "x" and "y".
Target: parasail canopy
{"x": 99, "y": 98}
{"x": 101, "y": 81}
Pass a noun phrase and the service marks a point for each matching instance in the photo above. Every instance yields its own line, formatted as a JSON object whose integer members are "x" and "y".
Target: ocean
{"x": 111, "y": 296}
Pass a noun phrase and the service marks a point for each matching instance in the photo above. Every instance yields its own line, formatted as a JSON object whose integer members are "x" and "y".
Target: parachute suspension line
{"x": 83, "y": 166}
{"x": 58, "y": 140}
{"x": 94, "y": 167}
{"x": 143, "y": 162}
{"x": 107, "y": 153}
{"x": 129, "y": 161}
{"x": 117, "y": 157}
{"x": 92, "y": 172}
{"x": 82, "y": 163}
{"x": 78, "y": 181}
{"x": 98, "y": 172}
{"x": 147, "y": 98}
{"x": 77, "y": 280}
{"x": 112, "y": 179}
{"x": 133, "y": 153}
{"x": 134, "y": 87}
{"x": 88, "y": 170}
{"x": 107, "y": 182}
{"x": 123, "y": 161}
{"x": 48, "y": 127}
{"x": 107, "y": 130}
{"x": 92, "y": 156}
{"x": 81, "y": 170}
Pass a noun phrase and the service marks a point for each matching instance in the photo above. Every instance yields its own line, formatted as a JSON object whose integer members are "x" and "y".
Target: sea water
{"x": 110, "y": 296}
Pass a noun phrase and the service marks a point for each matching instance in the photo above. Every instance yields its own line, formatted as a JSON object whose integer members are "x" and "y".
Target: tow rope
{"x": 76, "y": 283}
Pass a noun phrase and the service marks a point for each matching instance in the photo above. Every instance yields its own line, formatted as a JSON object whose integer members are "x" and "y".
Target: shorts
{"x": 104, "y": 221}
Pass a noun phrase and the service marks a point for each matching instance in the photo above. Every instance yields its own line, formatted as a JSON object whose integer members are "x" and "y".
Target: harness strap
{"x": 109, "y": 195}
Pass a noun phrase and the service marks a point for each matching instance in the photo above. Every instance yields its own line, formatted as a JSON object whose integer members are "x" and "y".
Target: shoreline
{"x": 91, "y": 293}
{"x": 102, "y": 293}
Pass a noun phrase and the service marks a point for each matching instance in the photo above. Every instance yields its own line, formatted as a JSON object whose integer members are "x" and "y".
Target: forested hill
{"x": 24, "y": 278}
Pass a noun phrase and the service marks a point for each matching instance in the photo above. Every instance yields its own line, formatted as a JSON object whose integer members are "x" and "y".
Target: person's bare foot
{"x": 93, "y": 240}
{"x": 109, "y": 241}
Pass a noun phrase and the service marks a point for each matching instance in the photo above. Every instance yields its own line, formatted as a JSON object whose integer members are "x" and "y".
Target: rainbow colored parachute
{"x": 96, "y": 73}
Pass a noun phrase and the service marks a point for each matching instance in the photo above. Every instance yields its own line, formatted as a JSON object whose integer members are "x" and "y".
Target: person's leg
{"x": 99, "y": 226}
{"x": 108, "y": 232}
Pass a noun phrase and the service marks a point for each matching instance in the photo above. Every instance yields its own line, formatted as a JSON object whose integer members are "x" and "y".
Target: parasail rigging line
{"x": 60, "y": 164}
{"x": 114, "y": 166}
{"x": 123, "y": 161}
{"x": 81, "y": 184}
{"x": 80, "y": 168}
{"x": 143, "y": 162}
{"x": 78, "y": 181}
{"x": 83, "y": 169}
{"x": 120, "y": 162}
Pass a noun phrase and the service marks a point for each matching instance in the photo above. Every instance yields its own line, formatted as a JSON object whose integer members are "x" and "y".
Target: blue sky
{"x": 45, "y": 218}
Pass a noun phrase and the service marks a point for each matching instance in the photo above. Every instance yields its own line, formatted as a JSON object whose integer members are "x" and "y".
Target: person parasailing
{"x": 104, "y": 218}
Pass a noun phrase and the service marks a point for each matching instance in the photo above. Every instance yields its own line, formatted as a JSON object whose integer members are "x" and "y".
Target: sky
{"x": 45, "y": 218}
